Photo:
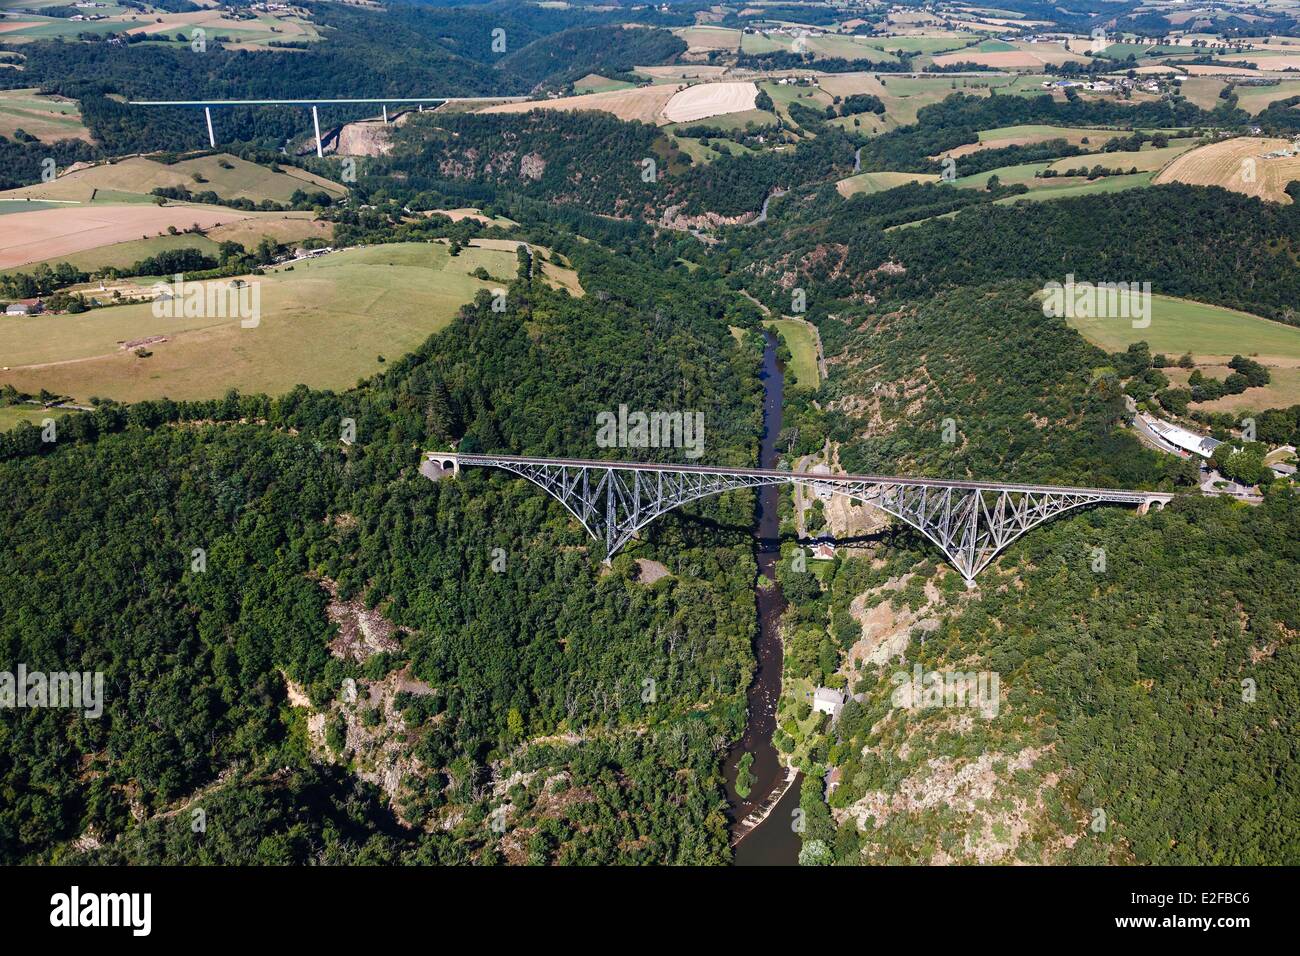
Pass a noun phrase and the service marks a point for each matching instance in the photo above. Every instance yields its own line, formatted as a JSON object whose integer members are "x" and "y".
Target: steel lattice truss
{"x": 970, "y": 522}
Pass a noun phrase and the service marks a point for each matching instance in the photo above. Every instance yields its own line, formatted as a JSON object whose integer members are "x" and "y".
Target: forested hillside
{"x": 1018, "y": 387}
{"x": 591, "y": 161}
{"x": 398, "y": 50}
{"x": 1205, "y": 244}
{"x": 1148, "y": 709}
{"x": 544, "y": 646}
{"x": 564, "y": 57}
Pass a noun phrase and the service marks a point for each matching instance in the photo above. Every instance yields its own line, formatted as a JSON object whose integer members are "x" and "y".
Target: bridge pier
{"x": 315, "y": 121}
{"x": 436, "y": 465}
{"x": 212, "y": 138}
{"x": 1157, "y": 503}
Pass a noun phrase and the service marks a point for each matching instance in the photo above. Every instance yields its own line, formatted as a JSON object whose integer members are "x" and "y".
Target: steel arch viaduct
{"x": 971, "y": 522}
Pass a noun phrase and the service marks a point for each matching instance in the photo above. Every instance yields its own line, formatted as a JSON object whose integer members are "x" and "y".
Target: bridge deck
{"x": 325, "y": 102}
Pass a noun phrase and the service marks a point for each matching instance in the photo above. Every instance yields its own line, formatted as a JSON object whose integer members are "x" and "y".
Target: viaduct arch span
{"x": 969, "y": 521}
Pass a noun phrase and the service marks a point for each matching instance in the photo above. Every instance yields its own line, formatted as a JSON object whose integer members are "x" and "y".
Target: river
{"x": 773, "y": 841}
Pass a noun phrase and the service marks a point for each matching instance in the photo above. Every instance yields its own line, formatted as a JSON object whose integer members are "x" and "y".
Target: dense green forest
{"x": 1200, "y": 243}
{"x": 398, "y": 51}
{"x": 590, "y": 161}
{"x": 549, "y": 645}
{"x": 1148, "y": 710}
{"x": 531, "y": 704}
{"x": 572, "y": 54}
{"x": 1018, "y": 387}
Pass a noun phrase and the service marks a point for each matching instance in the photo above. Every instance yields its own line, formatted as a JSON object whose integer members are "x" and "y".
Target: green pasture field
{"x": 1206, "y": 331}
{"x": 801, "y": 339}
{"x": 324, "y": 323}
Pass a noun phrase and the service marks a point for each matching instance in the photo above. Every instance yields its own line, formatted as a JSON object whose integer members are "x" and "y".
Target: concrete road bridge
{"x": 383, "y": 102}
{"x": 969, "y": 521}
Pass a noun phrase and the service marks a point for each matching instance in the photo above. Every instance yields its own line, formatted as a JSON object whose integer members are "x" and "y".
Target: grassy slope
{"x": 1179, "y": 325}
{"x": 48, "y": 118}
{"x": 801, "y": 339}
{"x": 323, "y": 324}
{"x": 138, "y": 176}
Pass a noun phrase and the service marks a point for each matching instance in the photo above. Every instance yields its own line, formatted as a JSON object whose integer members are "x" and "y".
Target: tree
{"x": 744, "y": 776}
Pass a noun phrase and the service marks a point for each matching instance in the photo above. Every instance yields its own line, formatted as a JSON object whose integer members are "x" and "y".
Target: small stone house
{"x": 828, "y": 701}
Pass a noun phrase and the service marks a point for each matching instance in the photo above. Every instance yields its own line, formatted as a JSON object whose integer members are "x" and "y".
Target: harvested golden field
{"x": 879, "y": 182}
{"x": 471, "y": 212}
{"x": 1237, "y": 164}
{"x": 51, "y": 233}
{"x": 283, "y": 227}
{"x": 228, "y": 176}
{"x": 710, "y": 99}
{"x": 644, "y": 103}
{"x": 49, "y": 118}
{"x": 1156, "y": 69}
{"x": 1209, "y": 69}
{"x": 709, "y": 38}
{"x": 846, "y": 84}
{"x": 1054, "y": 54}
{"x": 1272, "y": 62}
{"x": 681, "y": 71}
{"x": 658, "y": 104}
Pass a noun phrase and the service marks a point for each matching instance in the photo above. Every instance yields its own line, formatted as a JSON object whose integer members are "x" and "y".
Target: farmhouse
{"x": 26, "y": 307}
{"x": 833, "y": 779}
{"x": 827, "y": 701}
{"x": 823, "y": 549}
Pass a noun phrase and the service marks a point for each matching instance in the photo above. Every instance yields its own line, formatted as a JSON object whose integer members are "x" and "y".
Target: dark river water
{"x": 774, "y": 841}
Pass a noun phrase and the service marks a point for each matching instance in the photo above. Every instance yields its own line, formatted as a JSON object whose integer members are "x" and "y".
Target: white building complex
{"x": 1181, "y": 438}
